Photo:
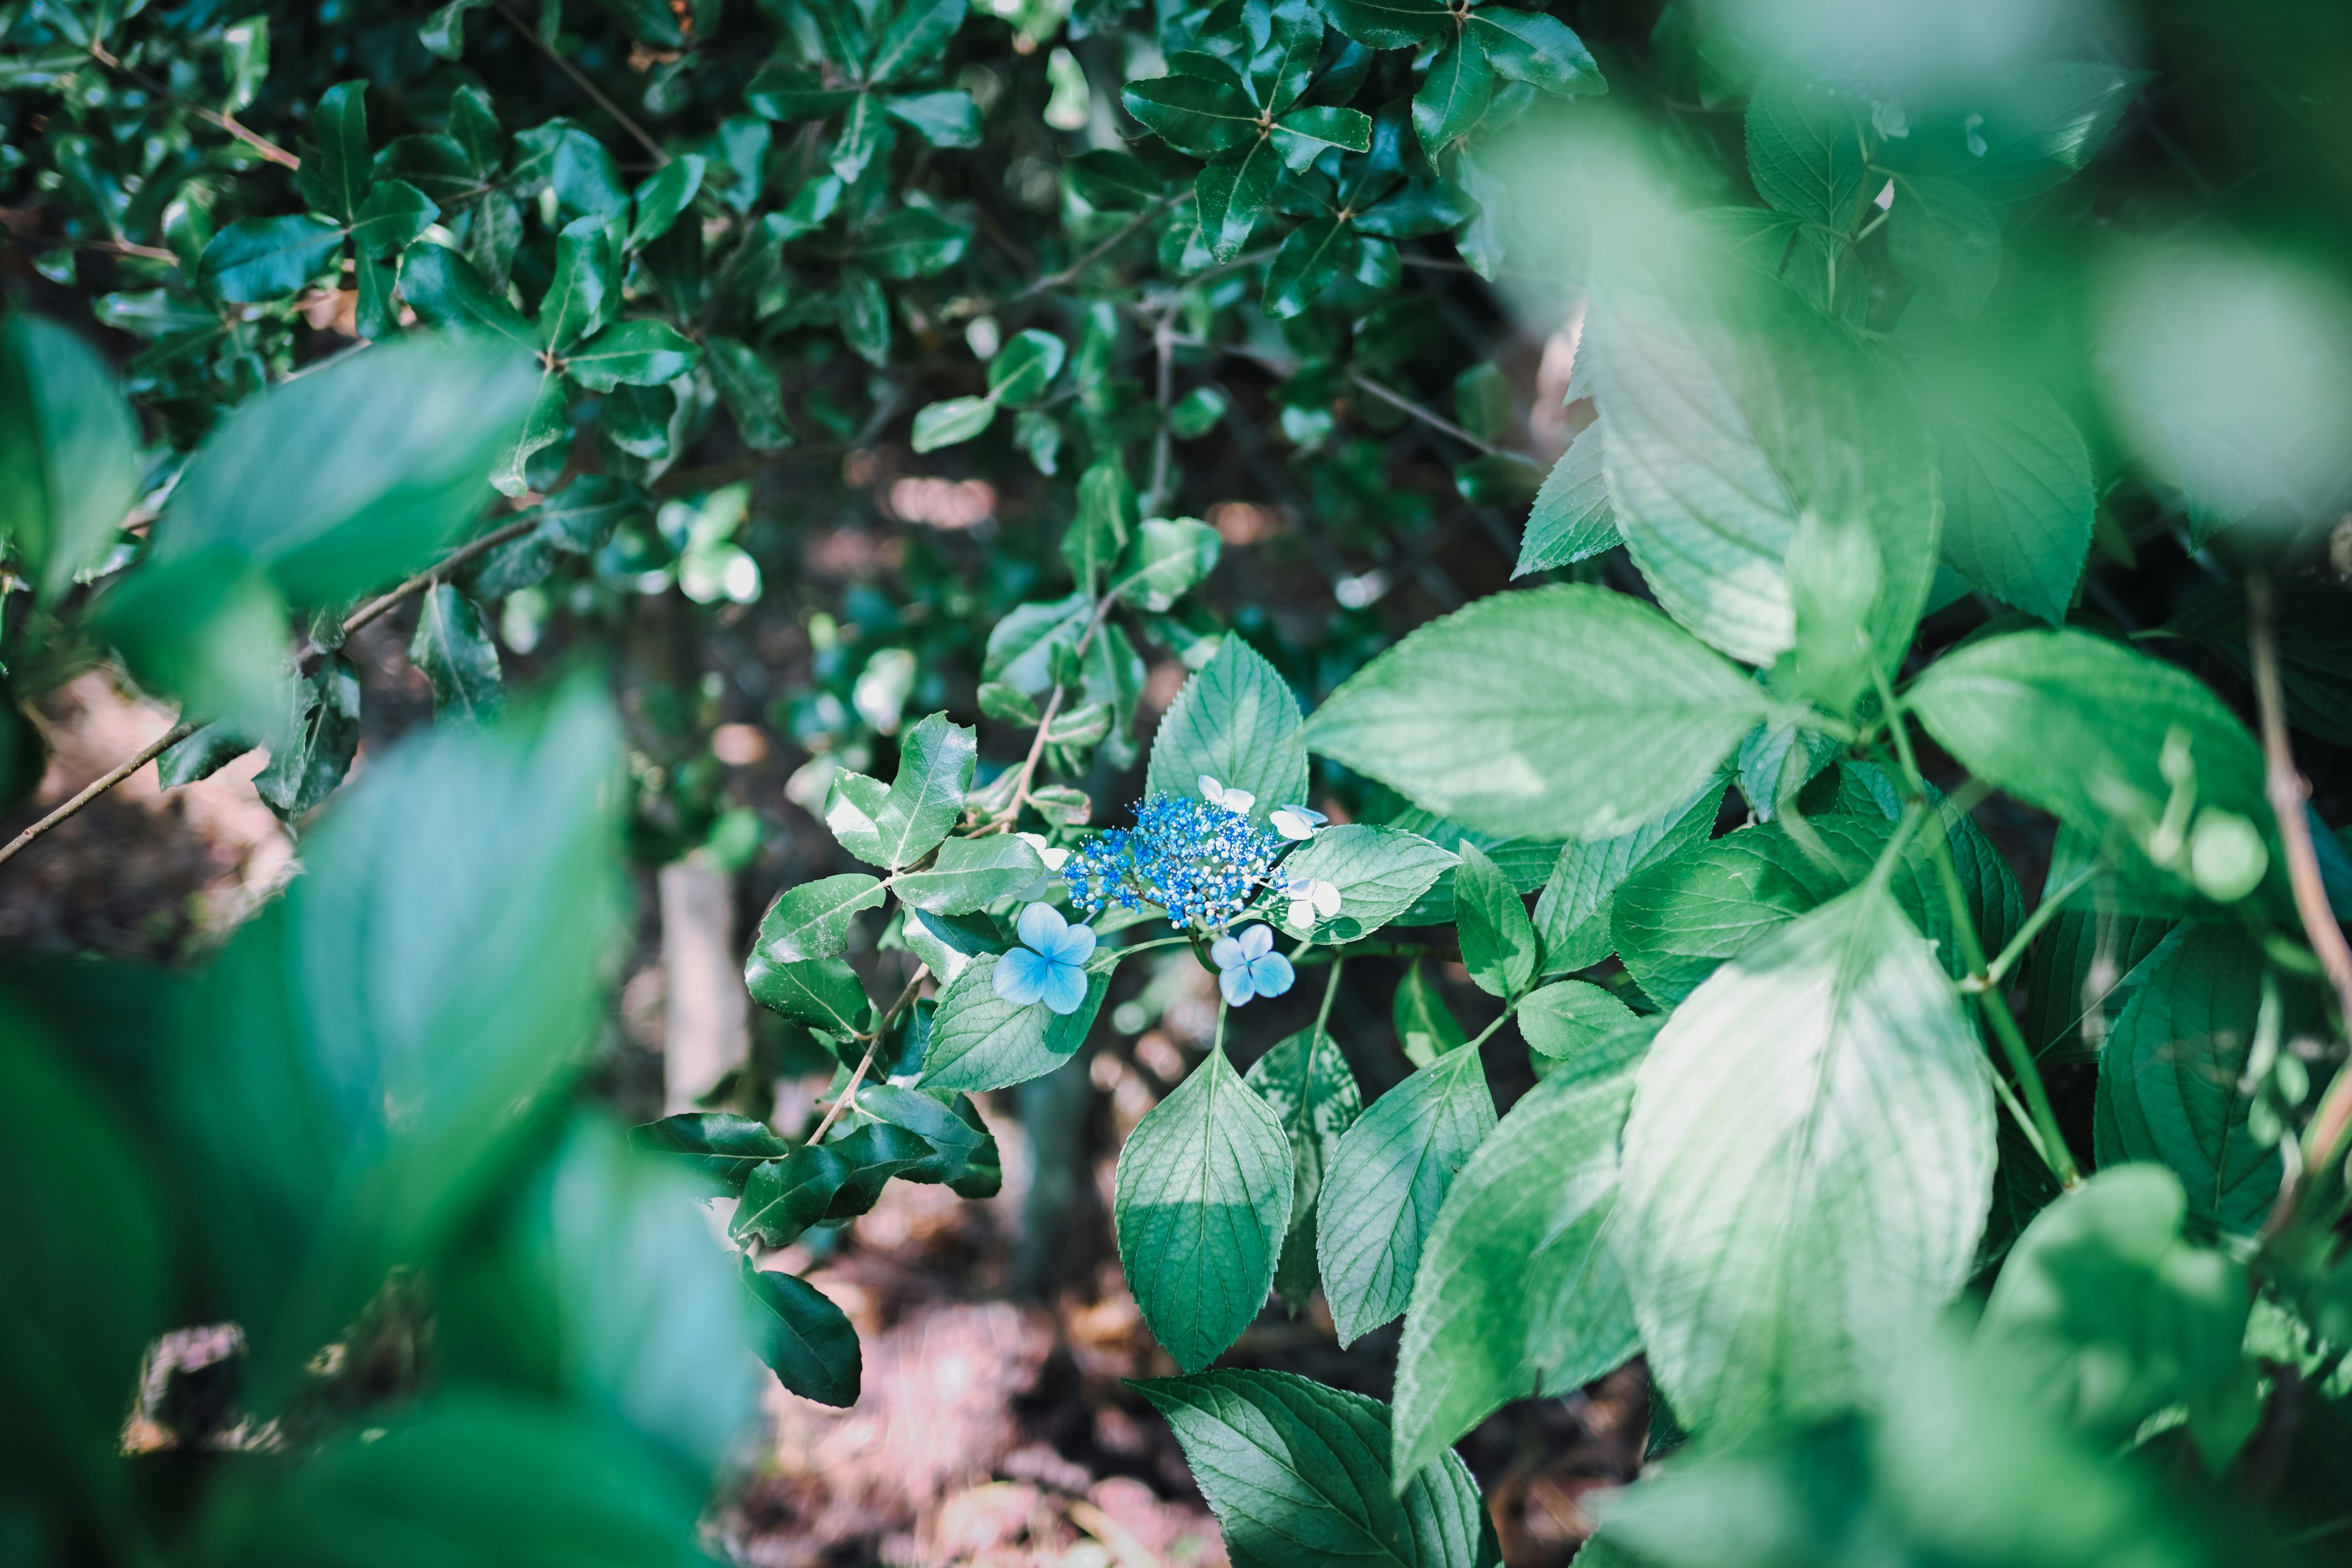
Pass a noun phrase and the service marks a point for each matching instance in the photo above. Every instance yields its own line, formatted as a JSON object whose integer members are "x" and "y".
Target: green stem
{"x": 1217, "y": 1046}
{"x": 1331, "y": 990}
{"x": 2053, "y": 901}
{"x": 1509, "y": 1008}
{"x": 1994, "y": 1005}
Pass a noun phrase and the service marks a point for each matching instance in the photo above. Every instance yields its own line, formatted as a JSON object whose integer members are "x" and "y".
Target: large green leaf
{"x": 896, "y": 828}
{"x": 1561, "y": 711}
{"x": 1297, "y": 1475}
{"x": 1192, "y": 114}
{"x": 2079, "y": 726}
{"x": 1386, "y": 24}
{"x": 1381, "y": 872}
{"x": 2172, "y": 1073}
{"x": 915, "y": 38}
{"x": 1806, "y": 1170}
{"x": 1806, "y": 154}
{"x": 1383, "y": 1190}
{"x": 1307, "y": 1080}
{"x": 1204, "y": 1203}
{"x": 1519, "y": 1293}
{"x": 336, "y": 167}
{"x": 637, "y": 352}
{"x": 258, "y": 259}
{"x": 822, "y": 992}
{"x": 2018, "y": 496}
{"x": 718, "y": 1145}
{"x": 455, "y": 653}
{"x": 805, "y": 1338}
{"x": 783, "y": 1197}
{"x": 1499, "y": 941}
{"x": 969, "y": 873}
{"x": 1237, "y": 722}
{"x": 980, "y": 1041}
{"x": 1942, "y": 234}
{"x": 2110, "y": 1314}
{"x": 1454, "y": 93}
{"x": 813, "y": 920}
{"x": 1572, "y": 915}
{"x": 68, "y": 452}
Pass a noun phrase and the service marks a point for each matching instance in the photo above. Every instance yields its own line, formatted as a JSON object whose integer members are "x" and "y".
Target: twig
{"x": 619, "y": 114}
{"x": 436, "y": 571}
{"x": 229, "y": 123}
{"x": 1053, "y": 280}
{"x": 1429, "y": 417}
{"x": 849, "y": 1092}
{"x": 99, "y": 786}
{"x": 2323, "y": 1140}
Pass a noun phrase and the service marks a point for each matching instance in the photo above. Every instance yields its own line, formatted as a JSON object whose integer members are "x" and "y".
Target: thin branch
{"x": 881, "y": 1027}
{"x": 229, "y": 123}
{"x": 619, "y": 114}
{"x": 437, "y": 572}
{"x": 1053, "y": 280}
{"x": 1429, "y": 417}
{"x": 99, "y": 786}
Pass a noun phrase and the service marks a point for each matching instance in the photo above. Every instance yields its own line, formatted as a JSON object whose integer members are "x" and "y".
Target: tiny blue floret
{"x": 1051, "y": 967}
{"x": 1201, "y": 861}
{"x": 1248, "y": 966}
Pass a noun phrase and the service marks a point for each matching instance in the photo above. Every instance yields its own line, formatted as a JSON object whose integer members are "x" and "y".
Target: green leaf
{"x": 315, "y": 745}
{"x": 784, "y": 1196}
{"x": 1944, "y": 236}
{"x": 1498, "y": 941}
{"x": 202, "y": 755}
{"x": 941, "y": 119}
{"x": 913, "y": 242}
{"x": 970, "y": 873}
{"x": 753, "y": 395}
{"x": 805, "y": 1338}
{"x": 1025, "y": 368}
{"x": 1197, "y": 413}
{"x": 1315, "y": 253}
{"x": 1565, "y": 711}
{"x": 1571, "y": 521}
{"x": 456, "y": 657}
{"x": 1454, "y": 94}
{"x": 824, "y": 993}
{"x": 2108, "y": 1313}
{"x": 444, "y": 32}
{"x": 1382, "y": 1191}
{"x": 1806, "y": 155}
{"x": 1107, "y": 515}
{"x": 1021, "y": 646}
{"x": 1203, "y": 1201}
{"x": 1297, "y": 1475}
{"x": 1806, "y": 1170}
{"x": 258, "y": 259}
{"x": 579, "y": 518}
{"x": 1169, "y": 558}
{"x": 1191, "y": 114}
{"x": 1301, "y": 135}
{"x": 336, "y": 167}
{"x": 1234, "y": 192}
{"x": 916, "y": 38}
{"x": 570, "y": 161}
{"x": 935, "y": 764}
{"x": 639, "y": 353}
{"x": 68, "y": 453}
{"x": 865, "y": 131}
{"x": 1540, "y": 50}
{"x": 1388, "y": 23}
{"x": 2172, "y": 1074}
{"x": 1306, "y": 1080}
{"x": 951, "y": 421}
{"x": 1237, "y": 722}
{"x": 447, "y": 292}
{"x": 662, "y": 196}
{"x": 1572, "y": 915}
{"x": 395, "y": 443}
{"x": 2040, "y": 123}
{"x": 1569, "y": 1020}
{"x": 795, "y": 92}
{"x": 980, "y": 1041}
{"x": 2019, "y": 498}
{"x": 874, "y": 1154}
{"x": 1519, "y": 1293}
{"x": 718, "y": 1146}
{"x": 1111, "y": 180}
{"x": 1379, "y": 872}
{"x": 813, "y": 920}
{"x": 1425, "y": 1028}
{"x": 549, "y": 422}
{"x": 391, "y": 218}
{"x": 2079, "y": 726}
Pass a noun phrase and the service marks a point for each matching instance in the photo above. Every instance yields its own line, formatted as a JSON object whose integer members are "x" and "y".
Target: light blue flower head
{"x": 1248, "y": 966}
{"x": 1051, "y": 967}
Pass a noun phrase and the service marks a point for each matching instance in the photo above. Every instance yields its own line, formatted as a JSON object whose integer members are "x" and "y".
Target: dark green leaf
{"x": 456, "y": 657}
{"x": 1572, "y": 915}
{"x": 447, "y": 292}
{"x": 1454, "y": 94}
{"x": 1234, "y": 192}
{"x": 639, "y": 353}
{"x": 1944, "y": 236}
{"x": 1111, "y": 180}
{"x": 787, "y": 1193}
{"x": 258, "y": 259}
{"x": 913, "y": 242}
{"x": 805, "y": 1338}
{"x": 824, "y": 993}
{"x": 753, "y": 394}
{"x": 1307, "y": 1081}
{"x": 1388, "y": 23}
{"x": 68, "y": 452}
{"x": 813, "y": 920}
{"x": 394, "y": 214}
{"x": 1314, "y": 254}
{"x": 719, "y": 1146}
{"x": 201, "y": 755}
{"x": 663, "y": 197}
{"x": 1805, "y": 152}
{"x": 1530, "y": 47}
{"x": 336, "y": 168}
{"x": 941, "y": 119}
{"x": 915, "y": 38}
{"x": 1192, "y": 115}
{"x": 1170, "y": 556}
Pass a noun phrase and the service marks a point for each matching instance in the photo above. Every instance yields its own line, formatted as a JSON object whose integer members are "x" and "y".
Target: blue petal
{"x": 1226, "y": 953}
{"x": 1075, "y": 946}
{"x": 1039, "y": 924}
{"x": 1236, "y": 983}
{"x": 1272, "y": 975}
{"x": 1065, "y": 987}
{"x": 1257, "y": 941}
{"x": 1020, "y": 977}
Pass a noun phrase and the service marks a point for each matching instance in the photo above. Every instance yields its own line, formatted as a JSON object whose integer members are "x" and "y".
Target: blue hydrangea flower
{"x": 1201, "y": 861}
{"x": 1051, "y": 967}
{"x": 1248, "y": 966}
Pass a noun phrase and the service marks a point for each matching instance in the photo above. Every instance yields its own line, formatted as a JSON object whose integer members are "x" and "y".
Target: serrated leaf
{"x": 1561, "y": 711}
{"x": 455, "y": 653}
{"x": 1571, "y": 521}
{"x": 1381, "y": 872}
{"x": 1237, "y": 722}
{"x": 1204, "y": 1201}
{"x": 1307, "y": 1081}
{"x": 1805, "y": 1171}
{"x": 980, "y": 1041}
{"x": 1947, "y": 241}
{"x": 824, "y": 993}
{"x": 1519, "y": 1293}
{"x": 805, "y": 1338}
{"x": 1499, "y": 941}
{"x": 1805, "y": 154}
{"x": 969, "y": 873}
{"x": 1572, "y": 915}
{"x": 1382, "y": 1193}
{"x": 1569, "y": 1020}
{"x": 813, "y": 920}
{"x": 2019, "y": 500}
{"x": 1298, "y": 1476}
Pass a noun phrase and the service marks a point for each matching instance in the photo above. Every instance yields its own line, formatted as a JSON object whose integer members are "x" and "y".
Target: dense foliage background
{"x": 800, "y": 469}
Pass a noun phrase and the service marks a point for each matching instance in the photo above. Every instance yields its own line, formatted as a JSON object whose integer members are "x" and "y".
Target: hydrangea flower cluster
{"x": 1198, "y": 859}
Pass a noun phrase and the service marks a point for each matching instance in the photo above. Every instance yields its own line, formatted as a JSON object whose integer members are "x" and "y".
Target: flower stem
{"x": 1331, "y": 990}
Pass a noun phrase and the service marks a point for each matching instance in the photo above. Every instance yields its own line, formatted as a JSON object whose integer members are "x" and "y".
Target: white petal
{"x": 1326, "y": 900}
{"x": 1212, "y": 791}
{"x": 1301, "y": 915}
{"x": 1291, "y": 826}
{"x": 1054, "y": 858}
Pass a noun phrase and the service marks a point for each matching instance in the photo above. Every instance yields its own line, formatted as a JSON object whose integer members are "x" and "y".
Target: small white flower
{"x": 1045, "y": 852}
{"x": 1311, "y": 899}
{"x": 1237, "y": 801}
{"x": 1297, "y": 821}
